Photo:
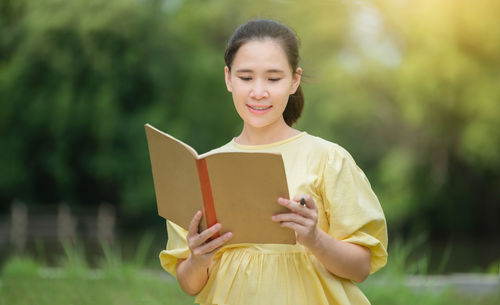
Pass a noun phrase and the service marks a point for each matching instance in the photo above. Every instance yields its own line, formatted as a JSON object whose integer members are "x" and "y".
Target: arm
{"x": 343, "y": 259}
{"x": 192, "y": 273}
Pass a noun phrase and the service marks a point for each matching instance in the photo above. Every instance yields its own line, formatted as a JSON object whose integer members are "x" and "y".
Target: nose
{"x": 259, "y": 90}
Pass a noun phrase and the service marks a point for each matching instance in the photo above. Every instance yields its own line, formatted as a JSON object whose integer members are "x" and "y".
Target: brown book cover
{"x": 237, "y": 189}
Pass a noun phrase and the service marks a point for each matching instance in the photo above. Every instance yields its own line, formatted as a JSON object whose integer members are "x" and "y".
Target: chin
{"x": 259, "y": 123}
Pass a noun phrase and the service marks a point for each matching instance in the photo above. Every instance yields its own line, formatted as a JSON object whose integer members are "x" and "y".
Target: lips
{"x": 255, "y": 107}
{"x": 259, "y": 109}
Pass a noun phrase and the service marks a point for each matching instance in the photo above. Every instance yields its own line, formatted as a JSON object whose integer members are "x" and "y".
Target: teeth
{"x": 259, "y": 108}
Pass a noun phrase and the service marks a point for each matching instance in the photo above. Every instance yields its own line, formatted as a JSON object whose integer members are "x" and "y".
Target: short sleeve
{"x": 352, "y": 208}
{"x": 177, "y": 248}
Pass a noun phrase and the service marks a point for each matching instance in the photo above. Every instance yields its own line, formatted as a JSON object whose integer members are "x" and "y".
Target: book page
{"x": 152, "y": 129}
{"x": 245, "y": 188}
{"x": 175, "y": 175}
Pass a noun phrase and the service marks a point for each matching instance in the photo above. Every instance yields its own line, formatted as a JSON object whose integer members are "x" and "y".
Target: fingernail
{"x": 273, "y": 218}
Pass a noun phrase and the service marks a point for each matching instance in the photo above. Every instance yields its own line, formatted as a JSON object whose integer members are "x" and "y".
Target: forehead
{"x": 261, "y": 54}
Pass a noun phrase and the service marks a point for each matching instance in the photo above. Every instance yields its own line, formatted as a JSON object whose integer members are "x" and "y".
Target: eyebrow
{"x": 268, "y": 71}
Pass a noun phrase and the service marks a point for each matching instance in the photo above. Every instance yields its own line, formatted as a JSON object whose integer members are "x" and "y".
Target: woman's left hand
{"x": 302, "y": 219}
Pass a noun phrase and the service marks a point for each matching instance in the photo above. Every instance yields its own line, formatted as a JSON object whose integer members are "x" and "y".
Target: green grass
{"x": 382, "y": 290}
{"x": 26, "y": 281}
{"x": 387, "y": 287}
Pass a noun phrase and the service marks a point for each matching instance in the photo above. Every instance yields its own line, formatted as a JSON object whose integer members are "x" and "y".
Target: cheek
{"x": 240, "y": 109}
{"x": 283, "y": 92}
{"x": 238, "y": 96}
{"x": 240, "y": 92}
{"x": 239, "y": 102}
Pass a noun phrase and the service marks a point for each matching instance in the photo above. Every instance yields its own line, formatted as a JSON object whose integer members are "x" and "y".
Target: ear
{"x": 296, "y": 77}
{"x": 227, "y": 78}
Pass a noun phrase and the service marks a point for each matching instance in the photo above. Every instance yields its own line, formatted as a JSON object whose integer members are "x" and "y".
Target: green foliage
{"x": 18, "y": 266}
{"x": 25, "y": 281}
{"x": 143, "y": 249}
{"x": 394, "y": 293}
{"x": 390, "y": 286}
{"x": 413, "y": 94}
{"x": 73, "y": 281}
{"x": 409, "y": 88}
{"x": 87, "y": 290}
{"x": 401, "y": 262}
{"x": 74, "y": 261}
{"x": 494, "y": 268}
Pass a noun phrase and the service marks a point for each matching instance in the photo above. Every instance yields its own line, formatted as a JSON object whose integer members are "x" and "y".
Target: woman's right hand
{"x": 203, "y": 249}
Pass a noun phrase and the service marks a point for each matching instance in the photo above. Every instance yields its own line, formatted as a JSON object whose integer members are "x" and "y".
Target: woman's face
{"x": 261, "y": 80}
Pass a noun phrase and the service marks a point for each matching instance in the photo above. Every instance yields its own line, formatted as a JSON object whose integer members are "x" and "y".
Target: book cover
{"x": 237, "y": 189}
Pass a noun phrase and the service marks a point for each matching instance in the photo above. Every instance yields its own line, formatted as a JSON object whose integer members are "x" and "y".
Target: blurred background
{"x": 410, "y": 88}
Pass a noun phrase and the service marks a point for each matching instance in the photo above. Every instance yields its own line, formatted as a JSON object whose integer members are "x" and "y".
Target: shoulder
{"x": 328, "y": 149}
{"x": 333, "y": 158}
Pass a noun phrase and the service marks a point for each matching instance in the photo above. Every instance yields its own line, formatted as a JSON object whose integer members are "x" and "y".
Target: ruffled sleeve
{"x": 177, "y": 248}
{"x": 352, "y": 208}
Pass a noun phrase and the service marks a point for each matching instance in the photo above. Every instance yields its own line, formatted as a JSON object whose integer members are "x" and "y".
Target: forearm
{"x": 192, "y": 273}
{"x": 191, "y": 278}
{"x": 343, "y": 259}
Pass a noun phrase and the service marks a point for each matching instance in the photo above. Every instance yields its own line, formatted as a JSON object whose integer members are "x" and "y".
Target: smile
{"x": 259, "y": 107}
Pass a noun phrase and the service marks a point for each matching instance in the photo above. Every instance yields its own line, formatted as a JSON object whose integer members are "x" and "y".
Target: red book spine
{"x": 206, "y": 192}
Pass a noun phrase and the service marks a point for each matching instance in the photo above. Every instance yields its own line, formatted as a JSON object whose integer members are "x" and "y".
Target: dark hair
{"x": 261, "y": 29}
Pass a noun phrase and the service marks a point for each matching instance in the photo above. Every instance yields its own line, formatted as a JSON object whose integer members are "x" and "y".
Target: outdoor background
{"x": 410, "y": 88}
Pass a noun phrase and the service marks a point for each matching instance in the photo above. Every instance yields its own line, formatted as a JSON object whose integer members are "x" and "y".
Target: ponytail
{"x": 294, "y": 107}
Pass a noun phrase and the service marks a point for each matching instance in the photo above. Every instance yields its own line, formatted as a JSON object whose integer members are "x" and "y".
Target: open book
{"x": 237, "y": 189}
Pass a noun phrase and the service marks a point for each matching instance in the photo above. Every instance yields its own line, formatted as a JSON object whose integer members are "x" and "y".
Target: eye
{"x": 243, "y": 78}
{"x": 275, "y": 79}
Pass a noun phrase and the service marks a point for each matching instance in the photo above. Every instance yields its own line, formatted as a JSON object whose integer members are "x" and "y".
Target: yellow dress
{"x": 257, "y": 274}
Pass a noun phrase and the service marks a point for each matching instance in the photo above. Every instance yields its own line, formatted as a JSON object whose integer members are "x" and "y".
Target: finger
{"x": 293, "y": 226}
{"x": 205, "y": 235}
{"x": 214, "y": 245}
{"x": 293, "y": 217}
{"x": 308, "y": 199}
{"x": 296, "y": 207}
{"x": 195, "y": 222}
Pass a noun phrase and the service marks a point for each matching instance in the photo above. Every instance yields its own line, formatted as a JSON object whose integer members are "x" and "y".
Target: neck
{"x": 265, "y": 135}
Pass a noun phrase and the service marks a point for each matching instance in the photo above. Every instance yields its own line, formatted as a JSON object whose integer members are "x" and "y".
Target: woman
{"x": 340, "y": 226}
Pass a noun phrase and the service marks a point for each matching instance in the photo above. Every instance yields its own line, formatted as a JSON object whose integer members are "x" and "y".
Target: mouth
{"x": 259, "y": 109}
